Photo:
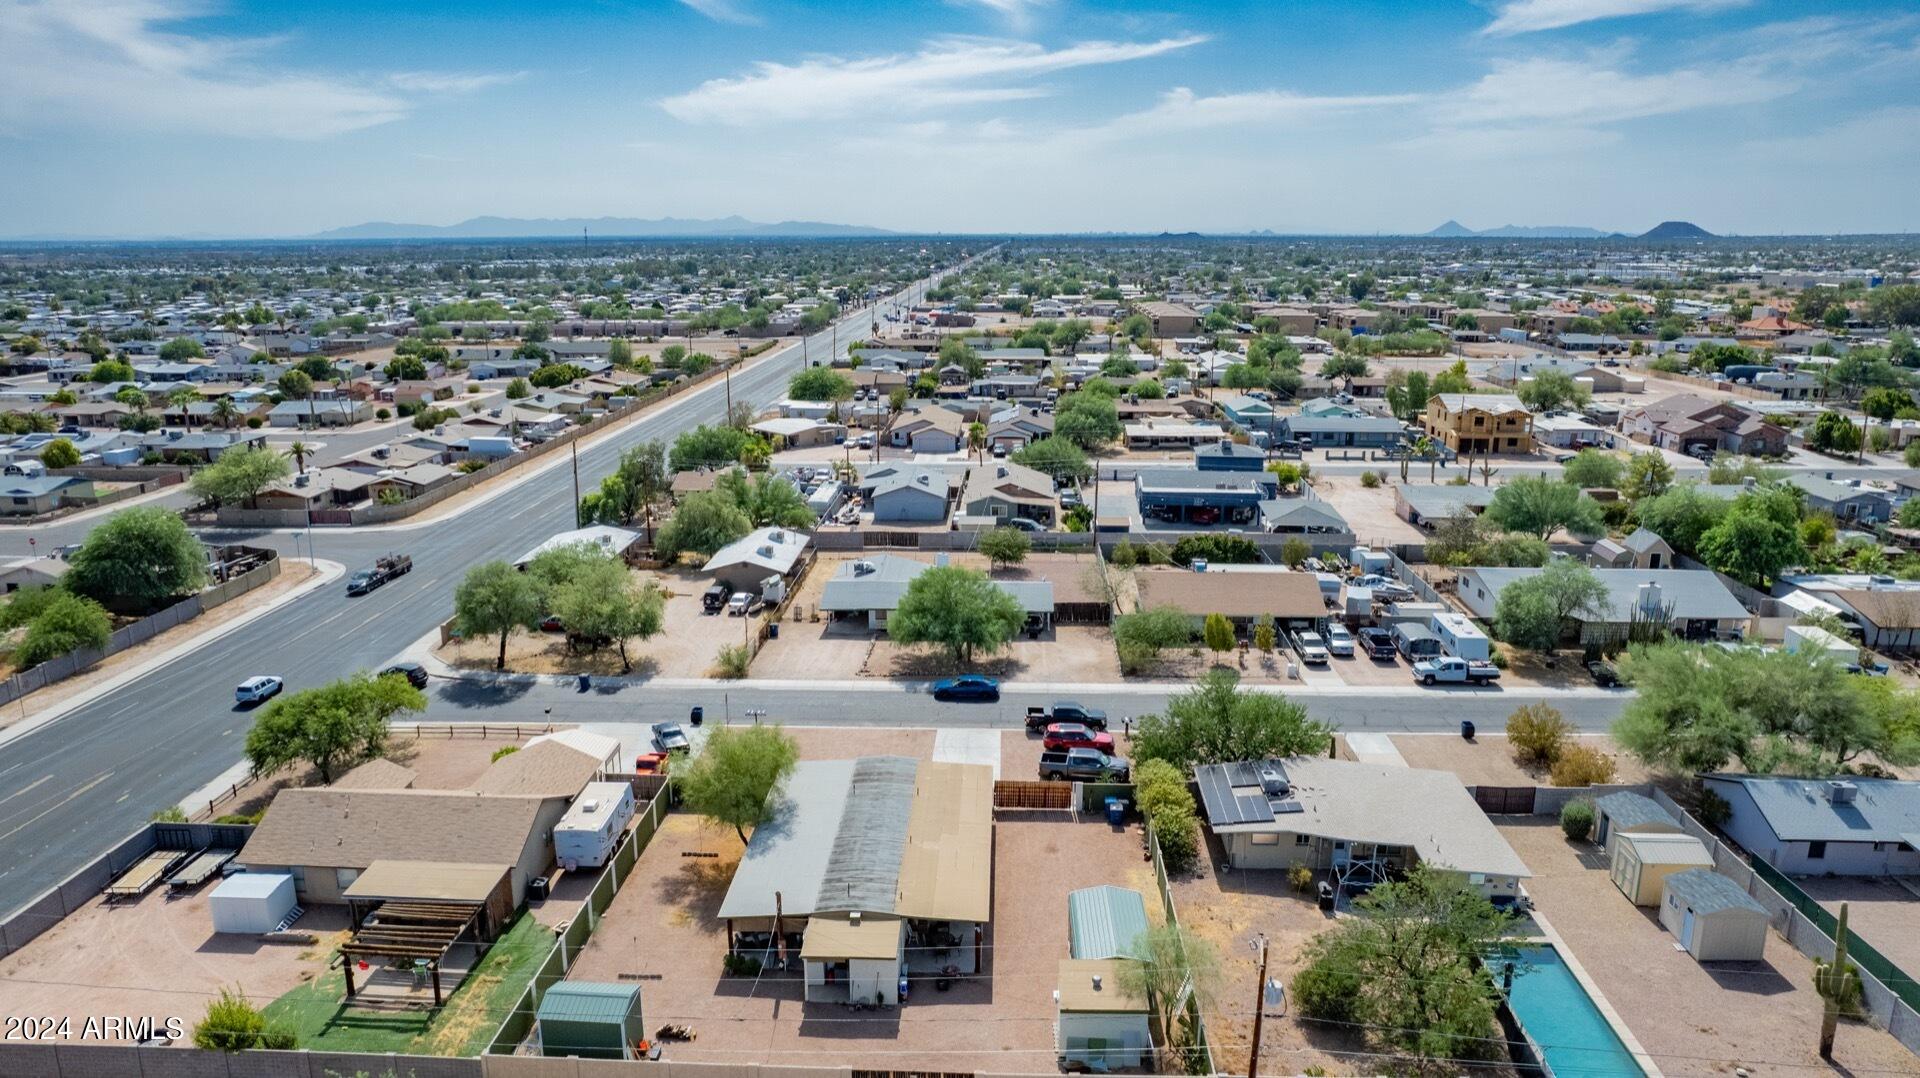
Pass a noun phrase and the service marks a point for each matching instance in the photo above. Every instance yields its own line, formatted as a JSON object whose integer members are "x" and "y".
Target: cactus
{"x": 1838, "y": 984}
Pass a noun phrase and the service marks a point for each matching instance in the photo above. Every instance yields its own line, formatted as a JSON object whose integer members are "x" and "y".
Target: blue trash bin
{"x": 903, "y": 989}
{"x": 1116, "y": 811}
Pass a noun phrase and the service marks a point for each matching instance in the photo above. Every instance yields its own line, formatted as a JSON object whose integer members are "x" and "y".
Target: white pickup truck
{"x": 1447, "y": 668}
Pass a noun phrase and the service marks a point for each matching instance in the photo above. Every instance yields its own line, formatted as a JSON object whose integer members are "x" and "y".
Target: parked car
{"x": 714, "y": 599}
{"x": 1310, "y": 647}
{"x": 1000, "y": 449}
{"x": 415, "y": 674}
{"x": 1039, "y": 718}
{"x": 257, "y": 688}
{"x": 1603, "y": 674}
{"x": 1339, "y": 642}
{"x": 1084, "y": 765}
{"x": 1452, "y": 669}
{"x": 384, "y": 569}
{"x": 1072, "y": 735}
{"x": 1377, "y": 643}
{"x": 865, "y": 441}
{"x": 1205, "y": 514}
{"x": 669, "y": 736}
{"x": 967, "y": 687}
{"x": 1071, "y": 497}
{"x": 1025, "y": 525}
{"x": 739, "y": 604}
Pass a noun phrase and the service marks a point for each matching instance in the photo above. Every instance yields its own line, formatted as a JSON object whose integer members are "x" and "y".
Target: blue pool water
{"x": 1560, "y": 1017}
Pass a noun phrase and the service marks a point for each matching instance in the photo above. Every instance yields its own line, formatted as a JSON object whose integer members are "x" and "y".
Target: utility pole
{"x": 1259, "y": 1010}
{"x": 575, "y": 447}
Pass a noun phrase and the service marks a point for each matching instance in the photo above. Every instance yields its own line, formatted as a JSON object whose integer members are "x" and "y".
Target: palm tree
{"x": 977, "y": 439}
{"x": 181, "y": 398}
{"x": 1424, "y": 446}
{"x": 226, "y": 412}
{"x": 298, "y": 451}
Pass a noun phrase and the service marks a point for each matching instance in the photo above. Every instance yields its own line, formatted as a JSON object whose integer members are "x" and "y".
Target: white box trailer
{"x": 586, "y": 836}
{"x": 1461, "y": 637}
{"x": 1817, "y": 641}
{"x": 1371, "y": 561}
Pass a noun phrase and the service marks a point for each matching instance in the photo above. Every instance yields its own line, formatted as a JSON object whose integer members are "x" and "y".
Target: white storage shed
{"x": 586, "y": 836}
{"x": 1714, "y": 920}
{"x": 250, "y": 903}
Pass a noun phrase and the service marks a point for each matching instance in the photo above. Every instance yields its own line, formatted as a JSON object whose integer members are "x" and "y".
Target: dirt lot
{"x": 687, "y": 647}
{"x": 1231, "y": 908}
{"x": 1763, "y": 1016}
{"x": 1488, "y": 761}
{"x": 158, "y": 957}
{"x": 1370, "y": 512}
{"x": 661, "y": 928}
{"x": 815, "y": 649}
{"x": 1880, "y": 911}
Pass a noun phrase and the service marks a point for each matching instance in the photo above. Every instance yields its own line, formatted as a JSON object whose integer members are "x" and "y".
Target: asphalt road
{"x": 73, "y": 787}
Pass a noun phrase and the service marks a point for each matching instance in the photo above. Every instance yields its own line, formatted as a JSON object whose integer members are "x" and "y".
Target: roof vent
{"x": 1199, "y": 565}
{"x": 1842, "y": 793}
{"x": 777, "y": 536}
{"x": 862, "y": 568}
{"x": 853, "y": 918}
{"x": 765, "y": 551}
{"x": 1273, "y": 781}
{"x": 589, "y": 806}
{"x": 302, "y": 479}
{"x": 1096, "y": 982}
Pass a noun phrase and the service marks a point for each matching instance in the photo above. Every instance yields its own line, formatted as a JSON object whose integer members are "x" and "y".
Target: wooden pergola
{"x": 409, "y": 931}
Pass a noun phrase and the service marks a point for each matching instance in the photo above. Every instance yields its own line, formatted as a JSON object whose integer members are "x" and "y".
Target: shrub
{"x": 734, "y": 660}
{"x": 1576, "y": 819}
{"x": 1370, "y": 480}
{"x": 1538, "y": 734}
{"x": 1179, "y": 835}
{"x": 241, "y": 817}
{"x": 1582, "y": 765}
{"x": 176, "y": 814}
{"x": 1325, "y": 990}
{"x": 253, "y": 422}
{"x": 1263, "y": 637}
{"x": 382, "y": 413}
{"x": 740, "y": 965}
{"x": 1299, "y": 877}
{"x": 1136, "y": 658}
{"x": 234, "y": 1025}
{"x": 504, "y": 750}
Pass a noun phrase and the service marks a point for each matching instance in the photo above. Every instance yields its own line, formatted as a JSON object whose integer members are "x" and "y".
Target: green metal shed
{"x": 591, "y": 1020}
{"x": 1105, "y": 922}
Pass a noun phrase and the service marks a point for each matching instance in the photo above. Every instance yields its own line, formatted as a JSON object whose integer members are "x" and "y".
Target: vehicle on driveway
{"x": 739, "y": 604}
{"x": 1449, "y": 669}
{"x": 415, "y": 674}
{"x": 1025, "y": 525}
{"x": 1339, "y": 642}
{"x": 1377, "y": 643}
{"x": 1603, "y": 673}
{"x": 1039, "y": 718}
{"x": 257, "y": 688}
{"x": 714, "y": 599}
{"x": 1310, "y": 647}
{"x": 384, "y": 569}
{"x": 1084, "y": 765}
{"x": 670, "y": 737}
{"x": 967, "y": 687}
{"x": 1072, "y": 735}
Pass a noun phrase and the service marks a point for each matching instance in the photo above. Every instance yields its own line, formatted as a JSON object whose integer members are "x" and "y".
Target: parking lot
{"x": 1694, "y": 1019}
{"x": 661, "y": 930}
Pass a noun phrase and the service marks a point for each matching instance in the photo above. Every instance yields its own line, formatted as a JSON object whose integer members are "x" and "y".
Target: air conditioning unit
{"x": 1842, "y": 793}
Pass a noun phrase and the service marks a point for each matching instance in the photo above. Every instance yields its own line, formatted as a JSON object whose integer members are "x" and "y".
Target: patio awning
{"x": 429, "y": 881}
{"x": 839, "y": 940}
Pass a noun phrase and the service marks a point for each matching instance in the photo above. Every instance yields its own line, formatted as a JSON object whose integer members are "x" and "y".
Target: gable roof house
{"x": 1844, "y": 500}
{"x": 1241, "y": 594}
{"x": 1693, "y": 601}
{"x": 1360, "y": 822}
{"x": 930, "y": 430}
{"x": 745, "y": 563}
{"x": 1426, "y": 506}
{"x": 870, "y": 589}
{"x": 1018, "y": 427}
{"x": 1684, "y": 422}
{"x": 1641, "y": 550}
{"x": 1004, "y": 490}
{"x": 1847, "y": 826}
{"x": 907, "y": 494}
{"x": 1340, "y": 431}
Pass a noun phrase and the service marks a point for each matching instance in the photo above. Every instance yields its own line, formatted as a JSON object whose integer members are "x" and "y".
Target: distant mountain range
{"x": 1665, "y": 230}
{"x": 532, "y": 227}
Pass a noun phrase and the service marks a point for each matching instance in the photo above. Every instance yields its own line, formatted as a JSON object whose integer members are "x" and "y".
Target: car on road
{"x": 1072, "y": 735}
{"x": 415, "y": 674}
{"x": 1310, "y": 647}
{"x": 257, "y": 688}
{"x": 1339, "y": 642}
{"x": 670, "y": 737}
{"x": 865, "y": 441}
{"x": 1603, "y": 673}
{"x": 967, "y": 687}
{"x": 1377, "y": 643}
{"x": 384, "y": 569}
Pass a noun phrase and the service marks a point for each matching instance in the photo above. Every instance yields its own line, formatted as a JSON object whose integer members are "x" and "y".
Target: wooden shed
{"x": 1642, "y": 861}
{"x": 1619, "y": 813}
{"x": 1714, "y": 920}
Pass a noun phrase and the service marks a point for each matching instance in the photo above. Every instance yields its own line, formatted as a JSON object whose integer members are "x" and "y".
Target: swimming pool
{"x": 1562, "y": 1019}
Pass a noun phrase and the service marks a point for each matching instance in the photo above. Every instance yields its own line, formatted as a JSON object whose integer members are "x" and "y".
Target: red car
{"x": 1072, "y": 735}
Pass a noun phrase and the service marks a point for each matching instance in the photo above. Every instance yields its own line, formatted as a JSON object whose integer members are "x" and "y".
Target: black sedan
{"x": 968, "y": 687}
{"x": 1603, "y": 674}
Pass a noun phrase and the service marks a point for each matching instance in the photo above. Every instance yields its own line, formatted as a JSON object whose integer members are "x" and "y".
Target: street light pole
{"x": 575, "y": 447}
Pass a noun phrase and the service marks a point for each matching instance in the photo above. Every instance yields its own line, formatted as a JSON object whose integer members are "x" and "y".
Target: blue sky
{"x": 238, "y": 118}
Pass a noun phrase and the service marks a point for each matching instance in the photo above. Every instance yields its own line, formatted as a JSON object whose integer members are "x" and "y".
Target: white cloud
{"x": 1180, "y": 109}
{"x": 1526, "y": 16}
{"x": 1548, "y": 91}
{"x": 1881, "y": 135}
{"x": 1018, "y": 13}
{"x": 945, "y": 72}
{"x": 112, "y": 64}
{"x": 724, "y": 11}
{"x": 447, "y": 82}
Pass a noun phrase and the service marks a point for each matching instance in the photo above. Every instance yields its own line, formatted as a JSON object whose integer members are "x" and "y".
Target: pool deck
{"x": 1549, "y": 934}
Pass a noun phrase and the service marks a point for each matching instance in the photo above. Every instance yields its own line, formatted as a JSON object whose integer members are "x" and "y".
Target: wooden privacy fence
{"x": 138, "y": 632}
{"x": 1016, "y": 794}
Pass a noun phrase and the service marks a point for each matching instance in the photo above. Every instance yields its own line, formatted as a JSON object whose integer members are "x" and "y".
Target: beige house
{"x": 1475, "y": 423}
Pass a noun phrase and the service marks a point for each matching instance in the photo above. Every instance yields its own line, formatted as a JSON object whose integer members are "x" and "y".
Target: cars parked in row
{"x": 1310, "y": 646}
{"x": 1084, "y": 765}
{"x": 1039, "y": 718}
{"x": 1072, "y": 735}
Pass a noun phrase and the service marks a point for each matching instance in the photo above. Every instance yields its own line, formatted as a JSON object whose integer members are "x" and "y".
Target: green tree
{"x": 767, "y": 500}
{"x": 708, "y": 447}
{"x": 959, "y": 609}
{"x": 495, "y": 598}
{"x": 1551, "y": 390}
{"x": 703, "y": 523}
{"x": 1407, "y": 967}
{"x": 406, "y": 369}
{"x": 1174, "y": 965}
{"x": 1007, "y": 546}
{"x": 1087, "y": 419}
{"x": 60, "y": 453}
{"x": 239, "y": 475}
{"x": 1834, "y": 433}
{"x": 331, "y": 727}
{"x": 1896, "y": 305}
{"x": 1218, "y": 722}
{"x": 1217, "y": 632}
{"x": 620, "y": 353}
{"x": 1682, "y": 515}
{"x": 637, "y": 482}
{"x": 1408, "y": 393}
{"x": 517, "y": 390}
{"x": 1593, "y": 468}
{"x": 137, "y": 560}
{"x": 1532, "y": 612}
{"x": 1757, "y": 538}
{"x": 732, "y": 780}
{"x": 1886, "y": 403}
{"x": 1541, "y": 506}
{"x": 820, "y": 384}
{"x": 1647, "y": 474}
{"x": 602, "y": 602}
{"x": 111, "y": 371}
{"x": 1057, "y": 457}
{"x": 65, "y": 623}
{"x": 556, "y": 375}
{"x": 179, "y": 350}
